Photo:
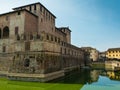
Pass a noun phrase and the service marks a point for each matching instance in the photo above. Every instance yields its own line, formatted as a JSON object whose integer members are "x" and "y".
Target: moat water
{"x": 78, "y": 80}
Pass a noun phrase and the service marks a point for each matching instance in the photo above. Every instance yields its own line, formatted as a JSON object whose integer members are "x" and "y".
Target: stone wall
{"x": 5, "y": 62}
{"x": 36, "y": 62}
{"x": 31, "y": 23}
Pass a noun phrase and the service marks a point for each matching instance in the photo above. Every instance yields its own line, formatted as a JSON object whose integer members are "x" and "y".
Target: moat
{"x": 78, "y": 80}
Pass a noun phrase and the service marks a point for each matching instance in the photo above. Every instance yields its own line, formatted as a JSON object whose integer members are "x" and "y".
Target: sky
{"x": 94, "y": 23}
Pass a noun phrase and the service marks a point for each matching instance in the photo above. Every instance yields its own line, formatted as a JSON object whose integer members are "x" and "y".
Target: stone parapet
{"x": 35, "y": 77}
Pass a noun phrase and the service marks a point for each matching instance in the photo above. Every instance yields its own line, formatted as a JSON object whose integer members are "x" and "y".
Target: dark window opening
{"x": 19, "y": 13}
{"x": 61, "y": 50}
{"x": 65, "y": 50}
{"x": 27, "y": 63}
{"x": 58, "y": 40}
{"x": 47, "y": 37}
{"x": 51, "y": 38}
{"x": 0, "y": 34}
{"x": 44, "y": 11}
{"x": 27, "y": 46}
{"x": 16, "y": 30}
{"x": 17, "y": 55}
{"x": 49, "y": 16}
{"x": 62, "y": 43}
{"x": 35, "y": 7}
{"x": 30, "y": 8}
{"x": 18, "y": 37}
{"x": 55, "y": 39}
{"x": 118, "y": 64}
{"x": 4, "y": 48}
{"x": 69, "y": 52}
{"x": 41, "y": 8}
{"x": 24, "y": 37}
{"x": 31, "y": 37}
{"x": 38, "y": 36}
{"x": 41, "y": 20}
{"x": 6, "y": 32}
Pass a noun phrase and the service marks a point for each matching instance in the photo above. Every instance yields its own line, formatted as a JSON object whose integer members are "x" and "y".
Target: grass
{"x": 19, "y": 85}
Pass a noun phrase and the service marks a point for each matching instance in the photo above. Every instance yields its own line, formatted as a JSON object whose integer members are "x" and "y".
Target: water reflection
{"x": 84, "y": 76}
{"x": 78, "y": 80}
{"x": 113, "y": 75}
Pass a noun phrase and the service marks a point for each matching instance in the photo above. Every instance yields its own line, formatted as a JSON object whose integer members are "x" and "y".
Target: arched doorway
{"x": 0, "y": 33}
{"x": 6, "y": 32}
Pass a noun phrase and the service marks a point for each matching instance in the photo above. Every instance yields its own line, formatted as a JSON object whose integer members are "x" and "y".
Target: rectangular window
{"x": 44, "y": 11}
{"x": 49, "y": 16}
{"x": 58, "y": 40}
{"x": 46, "y": 14}
{"x": 65, "y": 51}
{"x": 19, "y": 13}
{"x": 35, "y": 7}
{"x": 16, "y": 30}
{"x": 51, "y": 38}
{"x": 47, "y": 37}
{"x": 30, "y": 8}
{"x": 27, "y": 46}
{"x": 0, "y": 33}
{"x": 55, "y": 39}
{"x": 41, "y": 8}
{"x": 4, "y": 49}
{"x": 61, "y": 50}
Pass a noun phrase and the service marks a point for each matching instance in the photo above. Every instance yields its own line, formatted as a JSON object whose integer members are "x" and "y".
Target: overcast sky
{"x": 94, "y": 23}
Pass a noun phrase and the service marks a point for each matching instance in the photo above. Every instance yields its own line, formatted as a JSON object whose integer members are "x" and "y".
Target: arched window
{"x": 6, "y": 32}
{"x": 0, "y": 33}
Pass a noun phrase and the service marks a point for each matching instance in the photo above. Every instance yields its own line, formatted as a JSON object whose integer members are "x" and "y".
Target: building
{"x": 32, "y": 48}
{"x": 113, "y": 53}
{"x": 93, "y": 53}
{"x": 102, "y": 56}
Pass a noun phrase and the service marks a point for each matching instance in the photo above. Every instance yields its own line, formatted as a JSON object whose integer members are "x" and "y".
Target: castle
{"x": 32, "y": 48}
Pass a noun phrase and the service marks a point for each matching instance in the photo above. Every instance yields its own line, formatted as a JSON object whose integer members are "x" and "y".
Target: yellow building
{"x": 113, "y": 53}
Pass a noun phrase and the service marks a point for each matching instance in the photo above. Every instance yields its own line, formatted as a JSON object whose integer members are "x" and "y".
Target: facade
{"x": 102, "y": 56}
{"x": 113, "y": 53}
{"x": 34, "y": 47}
{"x": 93, "y": 53}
